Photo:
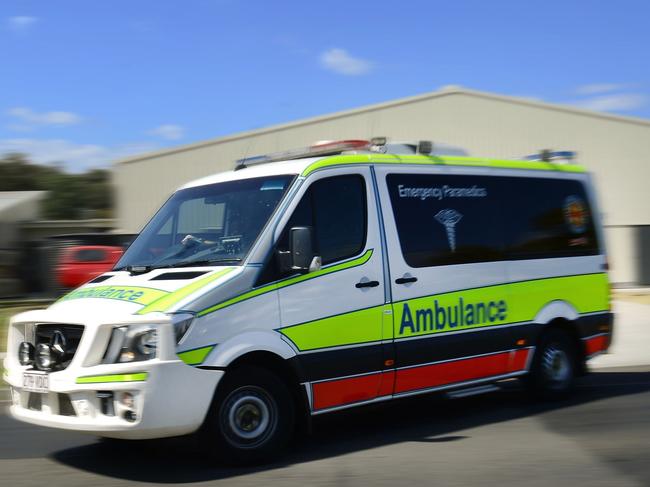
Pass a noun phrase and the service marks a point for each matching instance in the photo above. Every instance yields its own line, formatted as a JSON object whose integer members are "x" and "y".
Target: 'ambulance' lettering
{"x": 440, "y": 317}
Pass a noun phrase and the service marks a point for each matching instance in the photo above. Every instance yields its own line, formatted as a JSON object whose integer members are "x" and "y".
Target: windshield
{"x": 206, "y": 225}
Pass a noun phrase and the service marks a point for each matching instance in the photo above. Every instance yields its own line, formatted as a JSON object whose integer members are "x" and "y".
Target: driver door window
{"x": 335, "y": 209}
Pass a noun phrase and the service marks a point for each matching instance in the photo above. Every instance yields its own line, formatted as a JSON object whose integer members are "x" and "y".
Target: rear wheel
{"x": 251, "y": 418}
{"x": 553, "y": 371}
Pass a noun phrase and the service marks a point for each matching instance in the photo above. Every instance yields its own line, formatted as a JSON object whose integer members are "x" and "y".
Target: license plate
{"x": 36, "y": 382}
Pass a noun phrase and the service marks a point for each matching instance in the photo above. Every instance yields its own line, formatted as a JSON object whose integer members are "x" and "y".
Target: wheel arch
{"x": 554, "y": 310}
{"x": 562, "y": 315}
{"x": 268, "y": 351}
{"x": 245, "y": 343}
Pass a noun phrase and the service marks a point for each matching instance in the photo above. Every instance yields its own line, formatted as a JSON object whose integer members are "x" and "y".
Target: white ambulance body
{"x": 340, "y": 277}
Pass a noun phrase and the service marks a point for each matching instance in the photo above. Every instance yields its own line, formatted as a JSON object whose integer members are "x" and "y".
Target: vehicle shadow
{"x": 431, "y": 419}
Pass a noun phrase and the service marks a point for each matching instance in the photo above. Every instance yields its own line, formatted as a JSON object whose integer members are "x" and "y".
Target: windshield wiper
{"x": 134, "y": 269}
{"x": 143, "y": 269}
{"x": 194, "y": 263}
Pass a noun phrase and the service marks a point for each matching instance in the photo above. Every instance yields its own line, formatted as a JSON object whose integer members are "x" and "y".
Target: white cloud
{"x": 168, "y": 131}
{"x": 28, "y": 117}
{"x": 75, "y": 157}
{"x": 20, "y": 23}
{"x": 599, "y": 88}
{"x": 614, "y": 102}
{"x": 340, "y": 61}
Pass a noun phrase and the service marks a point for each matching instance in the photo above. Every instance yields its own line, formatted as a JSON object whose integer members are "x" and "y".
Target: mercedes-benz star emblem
{"x": 58, "y": 342}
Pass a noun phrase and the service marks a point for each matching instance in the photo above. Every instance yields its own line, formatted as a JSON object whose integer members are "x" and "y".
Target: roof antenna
{"x": 246, "y": 152}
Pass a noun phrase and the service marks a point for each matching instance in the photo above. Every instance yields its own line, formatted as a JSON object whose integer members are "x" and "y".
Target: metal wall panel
{"x": 613, "y": 148}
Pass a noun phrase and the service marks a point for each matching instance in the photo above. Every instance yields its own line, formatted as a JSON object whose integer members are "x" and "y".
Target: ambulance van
{"x": 310, "y": 281}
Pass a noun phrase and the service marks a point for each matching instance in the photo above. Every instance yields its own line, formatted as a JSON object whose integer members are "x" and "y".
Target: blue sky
{"x": 85, "y": 82}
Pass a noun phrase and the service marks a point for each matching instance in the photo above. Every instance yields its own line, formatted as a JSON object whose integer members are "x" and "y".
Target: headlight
{"x": 26, "y": 353}
{"x": 131, "y": 344}
{"x": 43, "y": 358}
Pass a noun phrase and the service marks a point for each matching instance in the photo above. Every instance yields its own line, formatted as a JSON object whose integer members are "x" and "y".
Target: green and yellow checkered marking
{"x": 99, "y": 379}
{"x": 289, "y": 282}
{"x": 587, "y": 293}
{"x": 137, "y": 295}
{"x": 196, "y": 356}
{"x": 166, "y": 302}
{"x": 438, "y": 161}
{"x": 357, "y": 327}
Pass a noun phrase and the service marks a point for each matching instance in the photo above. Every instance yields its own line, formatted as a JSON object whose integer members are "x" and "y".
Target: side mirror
{"x": 302, "y": 250}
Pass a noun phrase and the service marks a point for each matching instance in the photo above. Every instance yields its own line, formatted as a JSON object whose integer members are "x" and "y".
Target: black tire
{"x": 554, "y": 368}
{"x": 251, "y": 419}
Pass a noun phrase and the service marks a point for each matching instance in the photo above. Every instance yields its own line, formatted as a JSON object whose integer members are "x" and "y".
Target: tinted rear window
{"x": 548, "y": 218}
{"x": 443, "y": 220}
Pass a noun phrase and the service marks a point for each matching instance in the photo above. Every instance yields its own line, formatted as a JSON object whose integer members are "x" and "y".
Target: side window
{"x": 339, "y": 213}
{"x": 549, "y": 218}
{"x": 336, "y": 210}
{"x": 444, "y": 220}
{"x": 91, "y": 255}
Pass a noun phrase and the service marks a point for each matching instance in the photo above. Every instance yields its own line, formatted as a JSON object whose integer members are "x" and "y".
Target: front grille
{"x": 65, "y": 406}
{"x": 71, "y": 337}
{"x": 35, "y": 401}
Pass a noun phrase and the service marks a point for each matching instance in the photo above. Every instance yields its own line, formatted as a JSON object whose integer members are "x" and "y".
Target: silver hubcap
{"x": 248, "y": 417}
{"x": 556, "y": 366}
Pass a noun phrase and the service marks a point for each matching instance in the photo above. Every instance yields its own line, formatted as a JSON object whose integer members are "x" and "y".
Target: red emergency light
{"x": 318, "y": 149}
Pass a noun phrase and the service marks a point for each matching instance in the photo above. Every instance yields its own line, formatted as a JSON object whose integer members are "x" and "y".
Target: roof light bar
{"x": 546, "y": 155}
{"x": 318, "y": 149}
{"x": 379, "y": 145}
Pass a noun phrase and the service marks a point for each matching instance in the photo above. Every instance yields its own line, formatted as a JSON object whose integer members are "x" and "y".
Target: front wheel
{"x": 251, "y": 418}
{"x": 553, "y": 370}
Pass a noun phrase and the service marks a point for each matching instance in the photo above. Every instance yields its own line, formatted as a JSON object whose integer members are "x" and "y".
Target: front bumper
{"x": 170, "y": 398}
{"x": 172, "y": 401}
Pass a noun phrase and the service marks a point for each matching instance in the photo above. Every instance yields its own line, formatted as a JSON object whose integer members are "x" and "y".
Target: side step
{"x": 472, "y": 391}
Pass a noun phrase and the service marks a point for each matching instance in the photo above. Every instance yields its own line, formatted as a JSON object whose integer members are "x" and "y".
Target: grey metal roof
{"x": 446, "y": 91}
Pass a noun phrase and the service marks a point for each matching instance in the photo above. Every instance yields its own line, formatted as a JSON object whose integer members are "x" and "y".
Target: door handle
{"x": 405, "y": 280}
{"x": 360, "y": 285}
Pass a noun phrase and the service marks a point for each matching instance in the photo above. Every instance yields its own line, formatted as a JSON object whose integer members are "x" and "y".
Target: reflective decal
{"x": 449, "y": 218}
{"x": 342, "y": 160}
{"x": 576, "y": 214}
{"x": 166, "y": 302}
{"x": 196, "y": 356}
{"x": 96, "y": 379}
{"x": 138, "y": 295}
{"x": 517, "y": 302}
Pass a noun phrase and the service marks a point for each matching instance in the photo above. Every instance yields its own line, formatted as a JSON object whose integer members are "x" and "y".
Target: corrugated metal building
{"x": 616, "y": 150}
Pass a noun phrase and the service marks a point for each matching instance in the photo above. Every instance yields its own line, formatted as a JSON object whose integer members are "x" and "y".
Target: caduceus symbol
{"x": 449, "y": 218}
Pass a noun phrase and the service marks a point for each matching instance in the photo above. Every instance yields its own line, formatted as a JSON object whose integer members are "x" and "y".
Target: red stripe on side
{"x": 596, "y": 344}
{"x": 387, "y": 383}
{"x": 356, "y": 389}
{"x": 451, "y": 372}
{"x": 519, "y": 360}
{"x": 344, "y": 391}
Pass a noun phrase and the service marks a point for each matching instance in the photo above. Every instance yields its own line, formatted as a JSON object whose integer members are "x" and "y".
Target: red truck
{"x": 80, "y": 263}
